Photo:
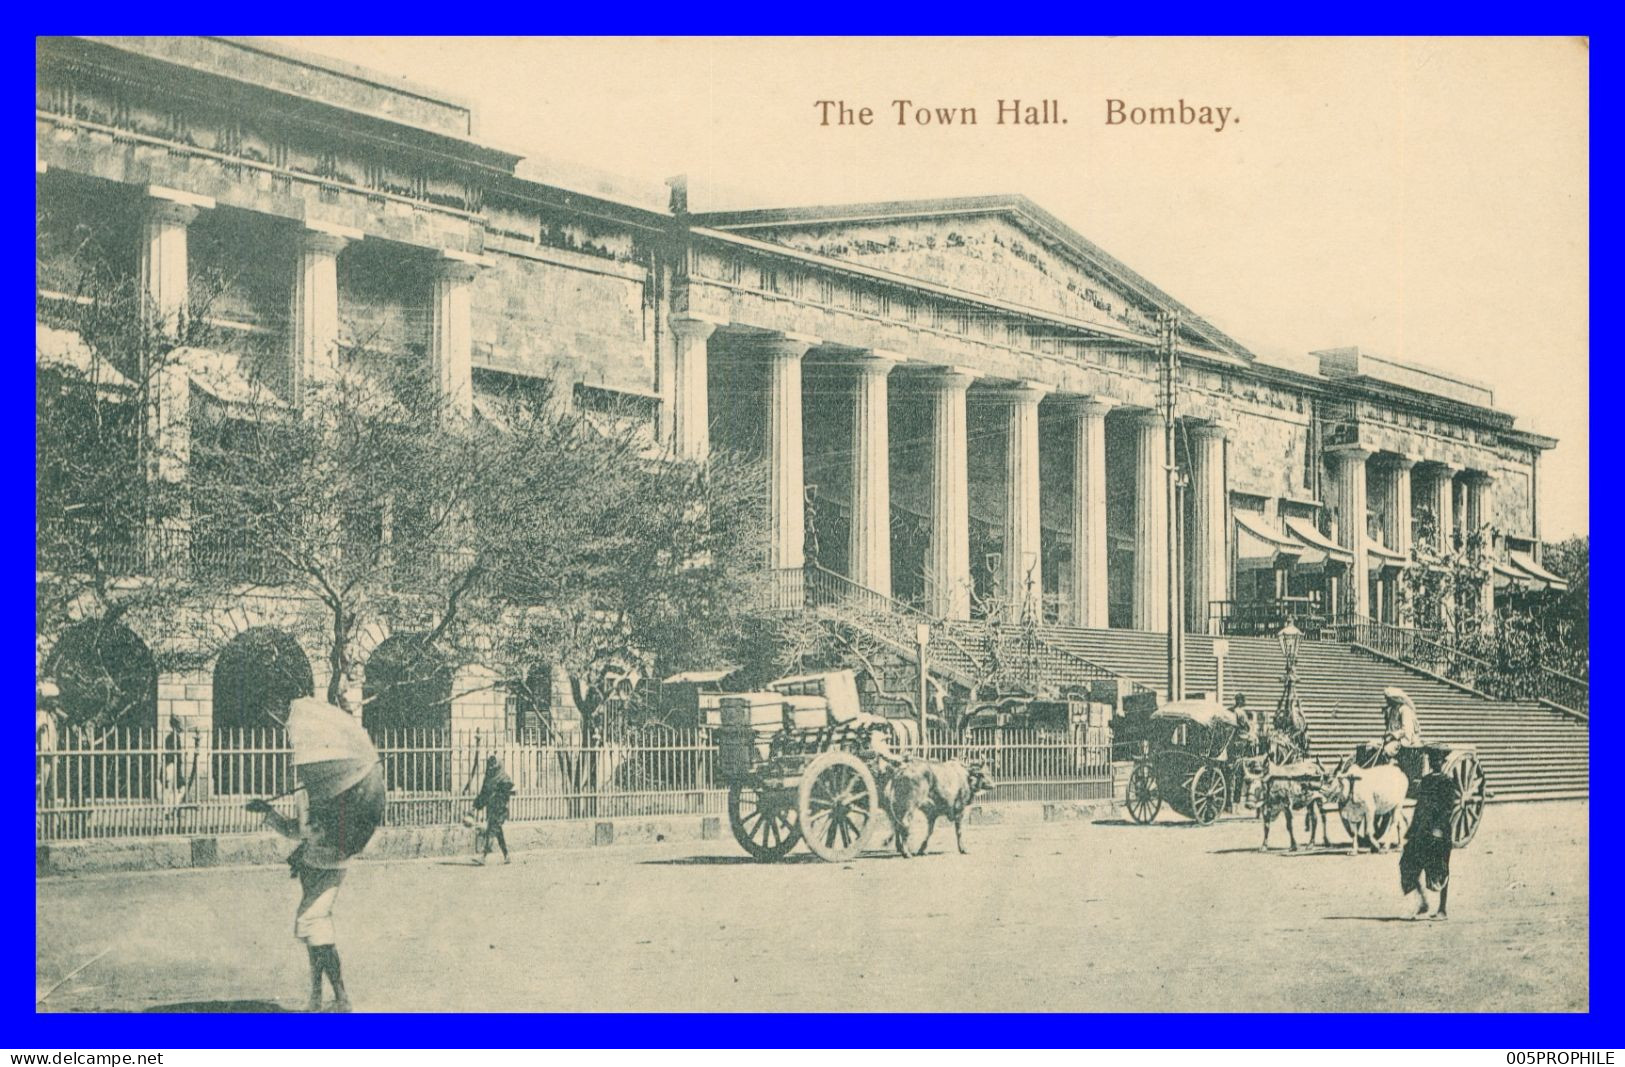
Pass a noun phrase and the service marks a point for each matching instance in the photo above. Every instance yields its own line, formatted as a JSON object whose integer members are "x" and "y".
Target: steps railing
{"x": 970, "y": 653}
{"x": 1412, "y": 648}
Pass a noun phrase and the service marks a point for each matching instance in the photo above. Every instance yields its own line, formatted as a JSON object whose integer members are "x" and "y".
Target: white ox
{"x": 1369, "y": 793}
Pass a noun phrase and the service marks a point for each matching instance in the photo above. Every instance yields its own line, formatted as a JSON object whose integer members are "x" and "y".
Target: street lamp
{"x": 1288, "y": 639}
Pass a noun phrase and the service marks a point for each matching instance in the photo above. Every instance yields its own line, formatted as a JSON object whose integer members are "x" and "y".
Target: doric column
{"x": 1443, "y": 500}
{"x": 1150, "y": 523}
{"x": 785, "y": 504}
{"x": 690, "y": 403}
{"x": 947, "y": 571}
{"x": 1023, "y": 578}
{"x": 313, "y": 317}
{"x": 1209, "y": 551}
{"x": 1088, "y": 564}
{"x": 1479, "y": 485}
{"x": 870, "y": 545}
{"x": 164, "y": 310}
{"x": 451, "y": 347}
{"x": 1399, "y": 505}
{"x": 1351, "y": 509}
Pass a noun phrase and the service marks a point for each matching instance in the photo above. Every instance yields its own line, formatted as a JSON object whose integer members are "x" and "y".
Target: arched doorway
{"x": 108, "y": 684}
{"x": 406, "y": 706}
{"x": 107, "y": 677}
{"x": 256, "y": 676}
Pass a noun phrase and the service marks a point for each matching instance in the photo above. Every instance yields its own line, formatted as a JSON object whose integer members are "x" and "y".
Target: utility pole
{"x": 1168, "y": 322}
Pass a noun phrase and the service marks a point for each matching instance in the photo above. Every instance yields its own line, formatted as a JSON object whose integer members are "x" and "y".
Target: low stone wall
{"x": 412, "y": 842}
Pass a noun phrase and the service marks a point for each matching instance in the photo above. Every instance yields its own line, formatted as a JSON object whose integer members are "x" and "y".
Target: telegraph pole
{"x": 1169, "y": 339}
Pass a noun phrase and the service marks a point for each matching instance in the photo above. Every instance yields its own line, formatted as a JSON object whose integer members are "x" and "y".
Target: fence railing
{"x": 139, "y": 783}
{"x": 92, "y": 784}
{"x": 1417, "y": 649}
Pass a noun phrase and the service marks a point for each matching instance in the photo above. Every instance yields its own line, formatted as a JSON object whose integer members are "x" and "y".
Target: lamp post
{"x": 1287, "y": 711}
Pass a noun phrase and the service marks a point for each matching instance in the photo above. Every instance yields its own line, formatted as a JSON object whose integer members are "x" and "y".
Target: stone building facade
{"x": 958, "y": 399}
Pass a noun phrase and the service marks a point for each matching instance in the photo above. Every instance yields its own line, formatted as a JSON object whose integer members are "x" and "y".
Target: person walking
{"x": 320, "y": 867}
{"x": 493, "y": 799}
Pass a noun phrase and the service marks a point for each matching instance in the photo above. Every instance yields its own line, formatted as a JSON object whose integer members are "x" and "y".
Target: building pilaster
{"x": 691, "y": 419}
{"x": 1351, "y": 522}
{"x": 313, "y": 319}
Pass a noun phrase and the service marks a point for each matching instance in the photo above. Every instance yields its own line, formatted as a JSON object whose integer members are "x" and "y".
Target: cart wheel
{"x": 1208, "y": 793}
{"x": 1464, "y": 770}
{"x": 838, "y": 803}
{"x": 763, "y": 821}
{"x": 1142, "y": 797}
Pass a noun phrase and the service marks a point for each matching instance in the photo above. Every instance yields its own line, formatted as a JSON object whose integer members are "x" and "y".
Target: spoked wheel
{"x": 1208, "y": 792}
{"x": 764, "y": 821}
{"x": 1464, "y": 770}
{"x": 1142, "y": 797}
{"x": 838, "y": 804}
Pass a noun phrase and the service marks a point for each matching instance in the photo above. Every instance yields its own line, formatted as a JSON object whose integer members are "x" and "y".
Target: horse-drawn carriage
{"x": 800, "y": 761}
{"x": 1187, "y": 759}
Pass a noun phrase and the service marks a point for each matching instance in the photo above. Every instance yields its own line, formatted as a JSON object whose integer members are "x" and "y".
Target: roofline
{"x": 393, "y": 82}
{"x": 1000, "y": 203}
{"x": 465, "y": 148}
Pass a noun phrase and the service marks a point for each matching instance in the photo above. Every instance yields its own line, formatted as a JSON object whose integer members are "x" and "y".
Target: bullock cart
{"x": 1459, "y": 763}
{"x": 800, "y": 761}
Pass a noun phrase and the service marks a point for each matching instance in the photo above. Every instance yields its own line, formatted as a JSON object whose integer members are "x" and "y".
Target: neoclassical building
{"x": 959, "y": 399}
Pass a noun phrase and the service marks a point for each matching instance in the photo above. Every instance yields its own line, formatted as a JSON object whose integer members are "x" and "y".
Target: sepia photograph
{"x": 832, "y": 525}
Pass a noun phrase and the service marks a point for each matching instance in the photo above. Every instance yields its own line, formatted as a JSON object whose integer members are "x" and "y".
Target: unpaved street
{"x": 1066, "y": 916}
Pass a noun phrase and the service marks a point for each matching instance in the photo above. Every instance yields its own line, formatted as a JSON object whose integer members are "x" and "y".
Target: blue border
{"x": 23, "y": 1029}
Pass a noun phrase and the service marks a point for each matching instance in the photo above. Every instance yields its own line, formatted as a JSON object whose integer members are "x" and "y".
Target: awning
{"x": 1259, "y": 546}
{"x": 220, "y": 375}
{"x": 1507, "y": 576}
{"x": 1322, "y": 547}
{"x": 1523, "y": 561}
{"x": 1383, "y": 556}
{"x": 700, "y": 677}
{"x": 65, "y": 350}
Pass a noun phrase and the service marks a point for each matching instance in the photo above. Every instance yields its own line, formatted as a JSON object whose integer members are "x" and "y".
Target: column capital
{"x": 785, "y": 345}
{"x": 161, "y": 197}
{"x": 1147, "y": 417}
{"x": 1093, "y": 407}
{"x": 327, "y": 237}
{"x": 1212, "y": 429}
{"x": 1480, "y": 477}
{"x": 1402, "y": 462}
{"x": 949, "y": 379}
{"x": 1350, "y": 453}
{"x": 692, "y": 326}
{"x": 870, "y": 363}
{"x": 459, "y": 266}
{"x": 1020, "y": 393}
{"x": 1443, "y": 468}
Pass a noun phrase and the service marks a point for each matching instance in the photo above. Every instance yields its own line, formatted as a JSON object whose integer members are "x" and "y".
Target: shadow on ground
{"x": 213, "y": 1007}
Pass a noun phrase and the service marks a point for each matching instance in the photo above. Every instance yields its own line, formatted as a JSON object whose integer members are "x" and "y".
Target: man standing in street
{"x": 320, "y": 868}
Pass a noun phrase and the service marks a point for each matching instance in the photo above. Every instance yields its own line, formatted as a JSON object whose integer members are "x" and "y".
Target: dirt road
{"x": 1067, "y": 916}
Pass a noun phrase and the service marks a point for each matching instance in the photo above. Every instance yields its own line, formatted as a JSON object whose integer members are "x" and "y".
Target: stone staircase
{"x": 1528, "y": 750}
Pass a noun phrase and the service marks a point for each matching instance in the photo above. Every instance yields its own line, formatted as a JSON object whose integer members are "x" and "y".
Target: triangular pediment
{"x": 1005, "y": 248}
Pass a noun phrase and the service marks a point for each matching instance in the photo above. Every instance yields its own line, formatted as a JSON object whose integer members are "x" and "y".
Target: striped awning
{"x": 1321, "y": 548}
{"x": 1260, "y": 546}
{"x": 1383, "y": 556}
{"x": 1543, "y": 578}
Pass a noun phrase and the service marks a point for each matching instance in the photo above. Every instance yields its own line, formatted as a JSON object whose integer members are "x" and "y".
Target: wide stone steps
{"x": 1527, "y": 749}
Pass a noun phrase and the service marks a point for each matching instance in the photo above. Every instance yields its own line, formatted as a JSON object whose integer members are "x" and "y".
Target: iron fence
{"x": 107, "y": 784}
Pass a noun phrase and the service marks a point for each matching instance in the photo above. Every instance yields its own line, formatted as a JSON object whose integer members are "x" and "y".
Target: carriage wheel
{"x": 1208, "y": 793}
{"x": 1464, "y": 770}
{"x": 838, "y": 803}
{"x": 1142, "y": 797}
{"x": 764, "y": 821}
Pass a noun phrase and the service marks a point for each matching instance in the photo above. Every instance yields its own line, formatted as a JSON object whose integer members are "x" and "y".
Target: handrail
{"x": 1412, "y": 649}
{"x": 1009, "y": 652}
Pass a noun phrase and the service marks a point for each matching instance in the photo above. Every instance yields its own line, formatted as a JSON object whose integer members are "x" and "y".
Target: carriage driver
{"x": 1399, "y": 722}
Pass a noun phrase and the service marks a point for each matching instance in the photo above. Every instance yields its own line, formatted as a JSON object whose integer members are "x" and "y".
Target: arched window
{"x": 256, "y": 676}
